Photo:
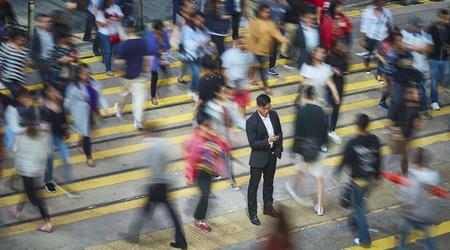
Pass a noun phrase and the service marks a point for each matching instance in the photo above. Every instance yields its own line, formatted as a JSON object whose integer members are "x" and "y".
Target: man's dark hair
{"x": 208, "y": 62}
{"x": 443, "y": 12}
{"x": 262, "y": 7}
{"x": 158, "y": 24}
{"x": 17, "y": 32}
{"x": 362, "y": 121}
{"x": 42, "y": 15}
{"x": 262, "y": 100}
{"x": 308, "y": 10}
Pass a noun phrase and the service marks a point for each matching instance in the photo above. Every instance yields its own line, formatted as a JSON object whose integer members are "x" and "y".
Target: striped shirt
{"x": 12, "y": 63}
{"x": 56, "y": 53}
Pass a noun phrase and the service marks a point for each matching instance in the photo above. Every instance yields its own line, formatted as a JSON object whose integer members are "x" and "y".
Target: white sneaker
{"x": 118, "y": 111}
{"x": 193, "y": 95}
{"x": 318, "y": 210}
{"x": 138, "y": 125}
{"x": 335, "y": 138}
{"x": 435, "y": 106}
{"x": 356, "y": 241}
{"x": 324, "y": 148}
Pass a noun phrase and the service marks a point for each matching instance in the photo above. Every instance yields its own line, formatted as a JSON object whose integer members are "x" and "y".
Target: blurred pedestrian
{"x": 13, "y": 58}
{"x": 13, "y": 117}
{"x": 158, "y": 45}
{"x": 32, "y": 150}
{"x": 84, "y": 99}
{"x": 236, "y": 9}
{"x": 338, "y": 59}
{"x": 211, "y": 81}
{"x": 262, "y": 33}
{"x": 90, "y": 19}
{"x": 291, "y": 24}
{"x": 335, "y": 25}
{"x": 53, "y": 113}
{"x": 108, "y": 17}
{"x": 362, "y": 155}
{"x": 7, "y": 16}
{"x": 278, "y": 8}
{"x": 265, "y": 136}
{"x": 405, "y": 122}
{"x": 439, "y": 62}
{"x": 42, "y": 46}
{"x": 386, "y": 55}
{"x": 158, "y": 160}
{"x": 204, "y": 156}
{"x": 195, "y": 40}
{"x": 236, "y": 63}
{"x": 310, "y": 134}
{"x": 217, "y": 21}
{"x": 62, "y": 56}
{"x": 420, "y": 44}
{"x": 307, "y": 36}
{"x": 135, "y": 54}
{"x": 376, "y": 21}
{"x": 418, "y": 210}
{"x": 279, "y": 240}
{"x": 224, "y": 114}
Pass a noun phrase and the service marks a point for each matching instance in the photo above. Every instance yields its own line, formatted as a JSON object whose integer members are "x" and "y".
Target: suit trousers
{"x": 268, "y": 173}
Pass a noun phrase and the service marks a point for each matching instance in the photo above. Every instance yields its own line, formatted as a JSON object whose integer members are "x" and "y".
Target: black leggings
{"x": 273, "y": 55}
{"x": 204, "y": 183}
{"x": 87, "y": 146}
{"x": 28, "y": 183}
{"x": 235, "y": 21}
{"x": 154, "y": 83}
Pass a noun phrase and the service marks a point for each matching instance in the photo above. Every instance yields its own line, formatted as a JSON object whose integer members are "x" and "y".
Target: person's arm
{"x": 12, "y": 118}
{"x": 347, "y": 158}
{"x": 277, "y": 34}
{"x": 334, "y": 91}
{"x": 364, "y": 28}
{"x": 251, "y": 130}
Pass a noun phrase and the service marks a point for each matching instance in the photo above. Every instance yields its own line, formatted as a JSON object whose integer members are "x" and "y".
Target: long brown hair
{"x": 32, "y": 131}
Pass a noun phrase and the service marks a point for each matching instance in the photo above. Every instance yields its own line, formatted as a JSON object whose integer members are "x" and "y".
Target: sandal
{"x": 91, "y": 162}
{"x": 268, "y": 91}
{"x": 154, "y": 101}
{"x": 44, "y": 229}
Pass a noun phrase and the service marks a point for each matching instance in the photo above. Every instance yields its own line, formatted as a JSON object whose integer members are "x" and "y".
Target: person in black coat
{"x": 265, "y": 137}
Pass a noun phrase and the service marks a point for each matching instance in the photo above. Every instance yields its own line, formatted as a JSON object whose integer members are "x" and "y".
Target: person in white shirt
{"x": 376, "y": 21}
{"x": 237, "y": 62}
{"x": 420, "y": 44}
{"x": 108, "y": 18}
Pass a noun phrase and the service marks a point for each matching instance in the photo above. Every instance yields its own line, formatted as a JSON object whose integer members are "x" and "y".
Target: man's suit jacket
{"x": 258, "y": 139}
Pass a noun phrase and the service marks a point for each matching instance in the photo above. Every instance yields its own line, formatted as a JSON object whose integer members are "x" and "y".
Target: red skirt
{"x": 241, "y": 97}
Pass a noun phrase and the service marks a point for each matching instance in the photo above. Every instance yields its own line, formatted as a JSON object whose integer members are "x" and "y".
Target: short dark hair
{"x": 42, "y": 15}
{"x": 209, "y": 62}
{"x": 262, "y": 7}
{"x": 362, "y": 121}
{"x": 158, "y": 24}
{"x": 18, "y": 32}
{"x": 308, "y": 10}
{"x": 443, "y": 12}
{"x": 262, "y": 100}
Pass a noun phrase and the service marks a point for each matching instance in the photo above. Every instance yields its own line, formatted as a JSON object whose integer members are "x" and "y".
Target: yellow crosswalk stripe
{"x": 391, "y": 242}
{"x": 183, "y": 193}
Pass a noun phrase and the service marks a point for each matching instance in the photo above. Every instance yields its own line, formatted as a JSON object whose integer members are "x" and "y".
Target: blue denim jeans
{"x": 358, "y": 219}
{"x": 195, "y": 72}
{"x": 438, "y": 71}
{"x": 58, "y": 143}
{"x": 107, "y": 50}
{"x": 9, "y": 138}
{"x": 405, "y": 228}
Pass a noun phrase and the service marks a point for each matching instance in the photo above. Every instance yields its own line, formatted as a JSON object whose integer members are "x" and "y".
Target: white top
{"x": 101, "y": 17}
{"x": 419, "y": 40}
{"x": 97, "y": 4}
{"x": 193, "y": 40}
{"x": 268, "y": 125}
{"x": 317, "y": 77}
{"x": 47, "y": 42}
{"x": 311, "y": 37}
{"x": 237, "y": 63}
{"x": 376, "y": 27}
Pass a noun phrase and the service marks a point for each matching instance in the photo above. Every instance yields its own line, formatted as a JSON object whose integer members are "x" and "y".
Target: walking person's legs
{"x": 180, "y": 239}
{"x": 87, "y": 151}
{"x": 359, "y": 215}
{"x": 107, "y": 52}
{"x": 139, "y": 94}
{"x": 90, "y": 22}
{"x": 219, "y": 41}
{"x": 195, "y": 76}
{"x": 204, "y": 183}
{"x": 230, "y": 171}
{"x": 437, "y": 71}
{"x": 125, "y": 98}
{"x": 262, "y": 74}
{"x": 273, "y": 59}
{"x": 153, "y": 86}
{"x": 34, "y": 199}
{"x": 65, "y": 155}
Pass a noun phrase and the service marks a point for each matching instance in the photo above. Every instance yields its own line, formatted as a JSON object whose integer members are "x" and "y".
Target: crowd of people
{"x": 314, "y": 36}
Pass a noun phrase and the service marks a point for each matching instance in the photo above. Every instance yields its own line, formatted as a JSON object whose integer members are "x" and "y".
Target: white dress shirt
{"x": 268, "y": 125}
{"x": 376, "y": 27}
{"x": 312, "y": 37}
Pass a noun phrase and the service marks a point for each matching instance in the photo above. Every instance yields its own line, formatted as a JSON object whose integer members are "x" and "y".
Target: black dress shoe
{"x": 271, "y": 213}
{"x": 254, "y": 219}
{"x": 178, "y": 245}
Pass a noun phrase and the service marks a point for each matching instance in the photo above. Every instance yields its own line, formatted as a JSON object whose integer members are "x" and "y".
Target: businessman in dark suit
{"x": 266, "y": 141}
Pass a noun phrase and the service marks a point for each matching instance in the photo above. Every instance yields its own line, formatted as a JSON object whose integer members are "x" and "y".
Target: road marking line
{"x": 391, "y": 242}
{"x": 183, "y": 193}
